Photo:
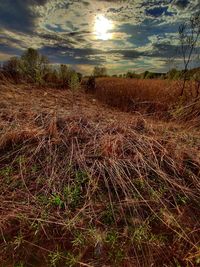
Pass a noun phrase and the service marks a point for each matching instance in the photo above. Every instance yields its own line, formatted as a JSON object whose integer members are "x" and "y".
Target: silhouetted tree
{"x": 91, "y": 84}
{"x": 189, "y": 36}
{"x": 99, "y": 72}
{"x": 13, "y": 67}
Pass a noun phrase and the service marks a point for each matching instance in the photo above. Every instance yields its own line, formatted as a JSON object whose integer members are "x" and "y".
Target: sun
{"x": 102, "y": 28}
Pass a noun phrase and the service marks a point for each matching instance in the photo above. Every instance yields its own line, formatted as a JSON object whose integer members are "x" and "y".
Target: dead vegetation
{"x": 89, "y": 185}
{"x": 151, "y": 97}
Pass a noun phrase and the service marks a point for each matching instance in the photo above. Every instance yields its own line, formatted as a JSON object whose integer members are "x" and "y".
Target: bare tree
{"x": 189, "y": 35}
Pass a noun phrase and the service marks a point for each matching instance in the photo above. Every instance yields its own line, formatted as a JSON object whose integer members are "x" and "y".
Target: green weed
{"x": 55, "y": 258}
{"x": 107, "y": 216}
{"x": 72, "y": 194}
{"x": 71, "y": 260}
{"x": 112, "y": 238}
{"x": 79, "y": 240}
{"x": 57, "y": 201}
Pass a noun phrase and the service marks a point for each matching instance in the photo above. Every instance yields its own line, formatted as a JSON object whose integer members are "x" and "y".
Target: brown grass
{"x": 93, "y": 186}
{"x": 151, "y": 97}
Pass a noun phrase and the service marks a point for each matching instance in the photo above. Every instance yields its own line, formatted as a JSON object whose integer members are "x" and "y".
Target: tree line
{"x": 33, "y": 67}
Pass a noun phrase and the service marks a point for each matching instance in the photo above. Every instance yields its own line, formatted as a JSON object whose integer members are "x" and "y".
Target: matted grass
{"x": 92, "y": 186}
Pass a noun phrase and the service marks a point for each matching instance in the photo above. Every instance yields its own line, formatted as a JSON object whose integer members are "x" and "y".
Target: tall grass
{"x": 150, "y": 96}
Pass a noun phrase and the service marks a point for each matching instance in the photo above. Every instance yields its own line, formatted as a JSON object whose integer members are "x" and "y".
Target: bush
{"x": 13, "y": 68}
{"x": 74, "y": 83}
{"x": 91, "y": 84}
{"x": 34, "y": 65}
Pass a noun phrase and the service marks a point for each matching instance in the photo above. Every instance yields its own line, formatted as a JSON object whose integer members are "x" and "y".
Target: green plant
{"x": 112, "y": 238}
{"x": 73, "y": 195}
{"x": 181, "y": 199}
{"x": 57, "y": 201}
{"x": 141, "y": 233}
{"x": 43, "y": 199}
{"x": 71, "y": 260}
{"x": 6, "y": 172}
{"x": 36, "y": 227}
{"x": 78, "y": 240}
{"x": 107, "y": 216}
{"x": 55, "y": 258}
{"x": 116, "y": 256}
{"x": 34, "y": 65}
{"x": 19, "y": 264}
{"x": 18, "y": 240}
{"x": 81, "y": 177}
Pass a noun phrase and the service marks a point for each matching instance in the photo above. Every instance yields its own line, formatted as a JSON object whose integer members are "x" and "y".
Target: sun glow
{"x": 102, "y": 28}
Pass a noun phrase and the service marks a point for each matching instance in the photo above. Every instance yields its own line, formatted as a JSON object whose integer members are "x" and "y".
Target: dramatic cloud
{"x": 143, "y": 34}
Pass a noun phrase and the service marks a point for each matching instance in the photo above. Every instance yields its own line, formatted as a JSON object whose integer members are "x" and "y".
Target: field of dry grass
{"x": 152, "y": 97}
{"x": 85, "y": 184}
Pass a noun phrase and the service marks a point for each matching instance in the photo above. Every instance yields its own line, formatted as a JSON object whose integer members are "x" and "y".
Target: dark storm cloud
{"x": 18, "y": 14}
{"x": 164, "y": 51}
{"x": 68, "y": 55}
{"x": 181, "y": 3}
{"x": 127, "y": 54}
{"x": 7, "y": 49}
{"x": 159, "y": 11}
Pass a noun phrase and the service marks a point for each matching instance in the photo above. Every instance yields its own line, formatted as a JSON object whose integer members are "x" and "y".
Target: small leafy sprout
{"x": 79, "y": 240}
{"x": 116, "y": 256}
{"x": 72, "y": 195}
{"x": 43, "y": 199}
{"x": 140, "y": 183}
{"x": 55, "y": 258}
{"x": 112, "y": 238}
{"x": 71, "y": 260}
{"x": 96, "y": 236}
{"x": 36, "y": 227}
{"x": 18, "y": 241}
{"x": 141, "y": 234}
{"x": 57, "y": 201}
{"x": 108, "y": 216}
{"x": 181, "y": 200}
{"x": 6, "y": 172}
{"x": 81, "y": 177}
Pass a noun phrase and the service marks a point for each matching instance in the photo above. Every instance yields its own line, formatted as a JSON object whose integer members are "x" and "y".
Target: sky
{"x": 122, "y": 35}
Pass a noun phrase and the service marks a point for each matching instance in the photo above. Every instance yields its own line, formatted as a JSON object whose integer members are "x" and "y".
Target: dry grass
{"x": 151, "y": 97}
{"x": 93, "y": 186}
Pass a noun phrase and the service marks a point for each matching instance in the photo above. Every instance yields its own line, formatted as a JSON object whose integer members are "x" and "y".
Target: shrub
{"x": 73, "y": 82}
{"x": 13, "y": 67}
{"x": 91, "y": 84}
{"x": 34, "y": 65}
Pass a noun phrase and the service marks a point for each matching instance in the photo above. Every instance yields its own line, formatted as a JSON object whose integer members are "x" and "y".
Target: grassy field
{"x": 85, "y": 184}
{"x": 153, "y": 97}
